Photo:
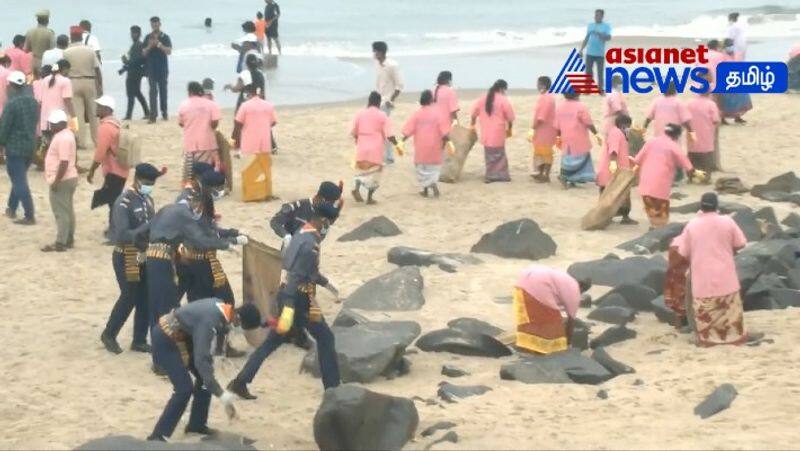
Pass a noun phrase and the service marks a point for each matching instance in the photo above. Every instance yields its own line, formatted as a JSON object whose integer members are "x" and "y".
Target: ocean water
{"x": 326, "y": 44}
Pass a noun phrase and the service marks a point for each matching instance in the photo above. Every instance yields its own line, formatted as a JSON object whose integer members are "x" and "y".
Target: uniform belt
{"x": 161, "y": 251}
{"x": 170, "y": 326}
{"x": 131, "y": 258}
{"x": 82, "y": 78}
{"x": 191, "y": 254}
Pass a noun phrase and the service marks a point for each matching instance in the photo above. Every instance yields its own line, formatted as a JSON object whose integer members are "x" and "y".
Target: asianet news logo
{"x": 644, "y": 70}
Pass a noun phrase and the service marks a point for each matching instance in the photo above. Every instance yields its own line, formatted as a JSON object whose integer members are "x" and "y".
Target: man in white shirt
{"x": 89, "y": 39}
{"x": 55, "y": 55}
{"x": 388, "y": 84}
{"x": 737, "y": 33}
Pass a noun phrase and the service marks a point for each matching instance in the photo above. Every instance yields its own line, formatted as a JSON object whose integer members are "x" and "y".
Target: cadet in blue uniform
{"x": 299, "y": 308}
{"x": 174, "y": 225}
{"x": 131, "y": 214}
{"x": 182, "y": 345}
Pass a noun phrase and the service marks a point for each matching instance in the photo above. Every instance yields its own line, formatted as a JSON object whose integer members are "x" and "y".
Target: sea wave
{"x": 765, "y": 22}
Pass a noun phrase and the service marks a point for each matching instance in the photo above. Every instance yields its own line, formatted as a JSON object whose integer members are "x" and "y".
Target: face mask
{"x": 196, "y": 215}
{"x": 217, "y": 195}
{"x": 146, "y": 189}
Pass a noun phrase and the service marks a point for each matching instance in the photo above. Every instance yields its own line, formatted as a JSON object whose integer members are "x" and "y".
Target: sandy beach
{"x": 61, "y": 388}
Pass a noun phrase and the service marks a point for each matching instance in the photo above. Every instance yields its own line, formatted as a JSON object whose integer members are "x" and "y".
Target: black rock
{"x": 777, "y": 196}
{"x": 613, "y": 315}
{"x": 450, "y": 436}
{"x": 765, "y": 283}
{"x": 612, "y": 300}
{"x": 613, "y": 366}
{"x": 663, "y": 313}
{"x": 725, "y": 208}
{"x": 521, "y": 239}
{"x": 399, "y": 290}
{"x": 408, "y": 256}
{"x": 784, "y": 183}
{"x": 748, "y": 268}
{"x": 451, "y": 392}
{"x": 655, "y": 240}
{"x": 638, "y": 382}
{"x": 792, "y": 220}
{"x": 352, "y": 417}
{"x": 636, "y": 296}
{"x": 786, "y": 297}
{"x": 632, "y": 271}
{"x": 474, "y": 326}
{"x": 349, "y": 318}
{"x": 222, "y": 441}
{"x": 767, "y": 214}
{"x": 462, "y": 343}
{"x": 367, "y": 351}
{"x": 602, "y": 394}
{"x": 793, "y": 278}
{"x": 441, "y": 425}
{"x": 612, "y": 335}
{"x": 377, "y": 227}
{"x": 776, "y": 266}
{"x": 558, "y": 368}
{"x": 749, "y": 225}
{"x": 586, "y": 300}
{"x": 719, "y": 400}
{"x": 452, "y": 371}
{"x": 580, "y": 336}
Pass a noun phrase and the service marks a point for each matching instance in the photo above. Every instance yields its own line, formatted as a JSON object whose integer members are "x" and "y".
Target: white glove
{"x": 333, "y": 290}
{"x": 286, "y": 240}
{"x": 241, "y": 240}
{"x": 227, "y": 398}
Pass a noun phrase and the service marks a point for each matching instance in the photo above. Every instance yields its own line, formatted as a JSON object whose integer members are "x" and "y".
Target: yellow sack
{"x": 257, "y": 179}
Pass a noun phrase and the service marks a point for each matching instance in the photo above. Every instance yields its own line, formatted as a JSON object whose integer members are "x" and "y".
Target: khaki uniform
{"x": 83, "y": 62}
{"x": 39, "y": 40}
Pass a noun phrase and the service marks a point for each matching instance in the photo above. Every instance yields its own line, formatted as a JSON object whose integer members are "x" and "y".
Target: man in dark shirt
{"x": 294, "y": 215}
{"x": 299, "y": 309}
{"x": 272, "y": 12}
{"x": 131, "y": 214}
{"x": 133, "y": 64}
{"x": 156, "y": 52}
{"x": 181, "y": 345}
{"x": 18, "y": 141}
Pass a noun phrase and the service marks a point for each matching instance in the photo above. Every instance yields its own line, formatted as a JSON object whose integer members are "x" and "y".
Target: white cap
{"x": 246, "y": 77}
{"x": 107, "y": 101}
{"x": 17, "y": 78}
{"x": 249, "y": 37}
{"x": 57, "y": 116}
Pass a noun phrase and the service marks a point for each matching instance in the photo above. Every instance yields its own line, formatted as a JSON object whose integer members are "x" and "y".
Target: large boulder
{"x": 367, "y": 351}
{"x": 474, "y": 326}
{"x": 767, "y": 214}
{"x": 720, "y": 399}
{"x": 657, "y": 240}
{"x": 558, "y": 368}
{"x": 663, "y": 313}
{"x": 636, "y": 296}
{"x": 633, "y": 271}
{"x": 399, "y": 290}
{"x": 612, "y": 335}
{"x": 580, "y": 335}
{"x": 522, "y": 239}
{"x": 409, "y": 256}
{"x": 219, "y": 442}
{"x": 459, "y": 342}
{"x": 613, "y": 300}
{"x": 352, "y": 417}
{"x": 793, "y": 278}
{"x": 613, "y": 315}
{"x": 792, "y": 220}
{"x": 349, "y": 318}
{"x": 615, "y": 367}
{"x": 782, "y": 188}
{"x": 758, "y": 296}
{"x": 725, "y": 208}
{"x": 451, "y": 392}
{"x": 747, "y": 221}
{"x": 377, "y": 227}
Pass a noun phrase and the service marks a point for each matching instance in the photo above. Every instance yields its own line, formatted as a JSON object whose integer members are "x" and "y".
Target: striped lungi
{"x": 201, "y": 156}
{"x": 368, "y": 174}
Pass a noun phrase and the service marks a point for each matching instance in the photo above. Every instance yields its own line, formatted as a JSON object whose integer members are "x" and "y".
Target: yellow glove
{"x": 400, "y": 148}
{"x": 509, "y": 133}
{"x": 699, "y": 176}
{"x": 612, "y": 167}
{"x": 599, "y": 140}
{"x": 73, "y": 124}
{"x": 530, "y": 135}
{"x": 450, "y": 147}
{"x": 285, "y": 321}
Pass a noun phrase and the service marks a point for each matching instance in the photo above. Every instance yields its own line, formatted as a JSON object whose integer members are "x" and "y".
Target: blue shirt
{"x": 594, "y": 45}
{"x": 156, "y": 61}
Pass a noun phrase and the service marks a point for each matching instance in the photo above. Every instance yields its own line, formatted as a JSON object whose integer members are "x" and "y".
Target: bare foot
{"x": 372, "y": 202}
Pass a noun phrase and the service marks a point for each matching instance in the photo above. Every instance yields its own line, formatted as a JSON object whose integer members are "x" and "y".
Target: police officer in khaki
{"x": 40, "y": 39}
{"x": 87, "y": 85}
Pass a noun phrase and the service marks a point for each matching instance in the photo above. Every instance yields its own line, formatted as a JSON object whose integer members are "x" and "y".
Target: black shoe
{"x": 165, "y": 117}
{"x": 57, "y": 247}
{"x": 110, "y": 343}
{"x": 156, "y": 438}
{"x": 240, "y": 390}
{"x": 25, "y": 221}
{"x": 202, "y": 430}
{"x": 140, "y": 347}
{"x": 11, "y": 214}
{"x": 151, "y": 120}
{"x": 157, "y": 370}
{"x": 233, "y": 353}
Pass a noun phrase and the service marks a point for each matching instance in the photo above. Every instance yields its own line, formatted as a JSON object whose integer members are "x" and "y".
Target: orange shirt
{"x": 107, "y": 146}
{"x": 62, "y": 148}
{"x": 261, "y": 28}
